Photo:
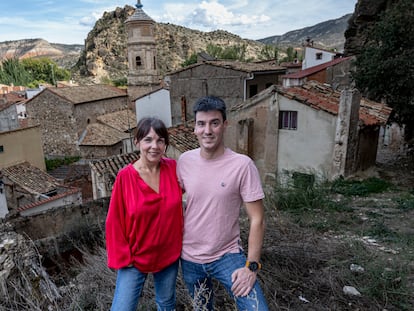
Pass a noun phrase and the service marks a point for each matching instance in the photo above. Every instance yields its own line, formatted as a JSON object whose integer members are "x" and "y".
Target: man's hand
{"x": 243, "y": 281}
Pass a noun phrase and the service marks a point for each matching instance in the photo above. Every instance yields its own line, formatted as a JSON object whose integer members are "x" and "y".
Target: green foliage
{"x": 359, "y": 188}
{"x": 405, "y": 202}
{"x": 31, "y": 72}
{"x": 120, "y": 82}
{"x": 52, "y": 164}
{"x": 269, "y": 52}
{"x": 291, "y": 55}
{"x": 385, "y": 66}
{"x": 12, "y": 71}
{"x": 232, "y": 52}
{"x": 189, "y": 61}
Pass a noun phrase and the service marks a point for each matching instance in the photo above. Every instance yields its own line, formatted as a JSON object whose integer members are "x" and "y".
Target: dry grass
{"x": 307, "y": 254}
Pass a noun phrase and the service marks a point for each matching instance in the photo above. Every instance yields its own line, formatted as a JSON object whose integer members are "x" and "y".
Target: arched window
{"x": 155, "y": 64}
{"x": 138, "y": 62}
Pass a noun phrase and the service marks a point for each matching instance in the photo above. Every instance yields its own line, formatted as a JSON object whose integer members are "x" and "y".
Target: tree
{"x": 385, "y": 67}
{"x": 13, "y": 72}
{"x": 233, "y": 52}
{"x": 269, "y": 52}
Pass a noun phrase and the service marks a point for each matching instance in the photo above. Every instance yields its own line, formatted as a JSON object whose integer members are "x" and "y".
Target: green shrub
{"x": 359, "y": 188}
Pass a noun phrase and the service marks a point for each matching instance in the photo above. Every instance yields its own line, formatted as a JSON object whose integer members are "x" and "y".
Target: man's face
{"x": 209, "y": 129}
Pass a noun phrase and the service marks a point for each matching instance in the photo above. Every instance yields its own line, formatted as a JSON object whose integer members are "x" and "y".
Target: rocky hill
{"x": 327, "y": 35}
{"x": 105, "y": 52}
{"x": 65, "y": 55}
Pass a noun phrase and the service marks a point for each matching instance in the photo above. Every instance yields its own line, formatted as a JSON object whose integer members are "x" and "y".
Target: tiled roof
{"x": 239, "y": 66}
{"x": 322, "y": 97}
{"x": 183, "y": 137}
{"x": 139, "y": 14}
{"x": 112, "y": 164}
{"x": 98, "y": 134}
{"x": 311, "y": 70}
{"x": 123, "y": 120}
{"x": 88, "y": 93}
{"x": 66, "y": 191}
{"x": 31, "y": 178}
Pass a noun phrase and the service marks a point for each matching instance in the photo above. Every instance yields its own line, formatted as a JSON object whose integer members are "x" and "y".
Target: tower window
{"x": 138, "y": 61}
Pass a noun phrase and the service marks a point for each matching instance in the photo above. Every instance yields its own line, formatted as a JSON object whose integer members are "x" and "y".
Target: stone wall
{"x": 203, "y": 80}
{"x": 62, "y": 122}
{"x": 58, "y": 126}
{"x": 62, "y": 229}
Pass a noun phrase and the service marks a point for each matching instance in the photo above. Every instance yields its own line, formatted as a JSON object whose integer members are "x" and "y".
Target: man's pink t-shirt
{"x": 215, "y": 190}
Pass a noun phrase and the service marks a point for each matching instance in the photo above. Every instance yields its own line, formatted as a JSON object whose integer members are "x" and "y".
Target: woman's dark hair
{"x": 209, "y": 103}
{"x": 144, "y": 126}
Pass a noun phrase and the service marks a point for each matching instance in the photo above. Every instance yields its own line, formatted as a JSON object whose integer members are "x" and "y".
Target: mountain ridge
{"x": 104, "y": 54}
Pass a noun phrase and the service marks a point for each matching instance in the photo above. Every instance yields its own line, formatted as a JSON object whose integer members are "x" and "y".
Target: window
{"x": 288, "y": 120}
{"x": 1, "y": 149}
{"x": 318, "y": 55}
{"x": 252, "y": 90}
{"x": 138, "y": 61}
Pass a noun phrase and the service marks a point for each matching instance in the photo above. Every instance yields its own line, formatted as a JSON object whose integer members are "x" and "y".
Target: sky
{"x": 70, "y": 21}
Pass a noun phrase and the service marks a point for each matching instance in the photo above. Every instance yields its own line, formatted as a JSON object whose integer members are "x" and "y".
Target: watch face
{"x": 253, "y": 266}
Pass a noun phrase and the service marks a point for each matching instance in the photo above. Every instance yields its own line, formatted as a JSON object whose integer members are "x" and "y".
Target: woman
{"x": 144, "y": 224}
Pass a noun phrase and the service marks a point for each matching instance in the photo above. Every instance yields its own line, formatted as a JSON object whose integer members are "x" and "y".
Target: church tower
{"x": 143, "y": 74}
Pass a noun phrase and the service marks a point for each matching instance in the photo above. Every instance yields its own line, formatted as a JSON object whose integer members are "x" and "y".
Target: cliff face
{"x": 105, "y": 51}
{"x": 366, "y": 13}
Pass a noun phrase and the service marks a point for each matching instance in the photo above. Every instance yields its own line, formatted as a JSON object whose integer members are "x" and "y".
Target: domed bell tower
{"x": 143, "y": 74}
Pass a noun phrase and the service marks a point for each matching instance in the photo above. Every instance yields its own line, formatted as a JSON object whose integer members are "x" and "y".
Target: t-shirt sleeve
{"x": 251, "y": 187}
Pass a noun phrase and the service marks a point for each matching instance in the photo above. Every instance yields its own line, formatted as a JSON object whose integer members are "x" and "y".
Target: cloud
{"x": 210, "y": 15}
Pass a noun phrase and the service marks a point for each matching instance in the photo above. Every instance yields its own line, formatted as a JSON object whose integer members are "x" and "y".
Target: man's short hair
{"x": 208, "y": 103}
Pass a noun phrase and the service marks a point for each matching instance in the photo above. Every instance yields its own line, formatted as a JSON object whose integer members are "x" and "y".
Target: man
{"x": 217, "y": 181}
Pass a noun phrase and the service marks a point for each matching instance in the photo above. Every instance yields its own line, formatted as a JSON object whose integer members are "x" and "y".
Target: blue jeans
{"x": 130, "y": 282}
{"x": 198, "y": 278}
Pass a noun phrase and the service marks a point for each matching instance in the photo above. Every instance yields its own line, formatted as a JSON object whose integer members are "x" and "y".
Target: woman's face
{"x": 151, "y": 147}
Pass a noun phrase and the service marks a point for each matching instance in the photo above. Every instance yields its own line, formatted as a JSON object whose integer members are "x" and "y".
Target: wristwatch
{"x": 253, "y": 266}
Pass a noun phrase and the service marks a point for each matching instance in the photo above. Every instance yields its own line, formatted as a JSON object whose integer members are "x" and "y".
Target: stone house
{"x": 64, "y": 114}
{"x": 233, "y": 81}
{"x": 309, "y": 129}
{"x": 111, "y": 134}
{"x": 28, "y": 190}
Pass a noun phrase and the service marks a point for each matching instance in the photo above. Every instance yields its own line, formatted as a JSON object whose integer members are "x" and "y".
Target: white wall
{"x": 309, "y": 149}
{"x": 156, "y": 104}
{"x": 310, "y": 57}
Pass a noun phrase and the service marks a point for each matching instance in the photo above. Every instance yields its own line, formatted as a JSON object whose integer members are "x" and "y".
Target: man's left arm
{"x": 243, "y": 278}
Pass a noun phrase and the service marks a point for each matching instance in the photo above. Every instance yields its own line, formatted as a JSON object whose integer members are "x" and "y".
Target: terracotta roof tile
{"x": 88, "y": 93}
{"x": 322, "y": 97}
{"x": 239, "y": 66}
{"x": 309, "y": 71}
{"x": 31, "y": 178}
{"x": 112, "y": 165}
{"x": 98, "y": 134}
{"x": 123, "y": 120}
{"x": 183, "y": 137}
